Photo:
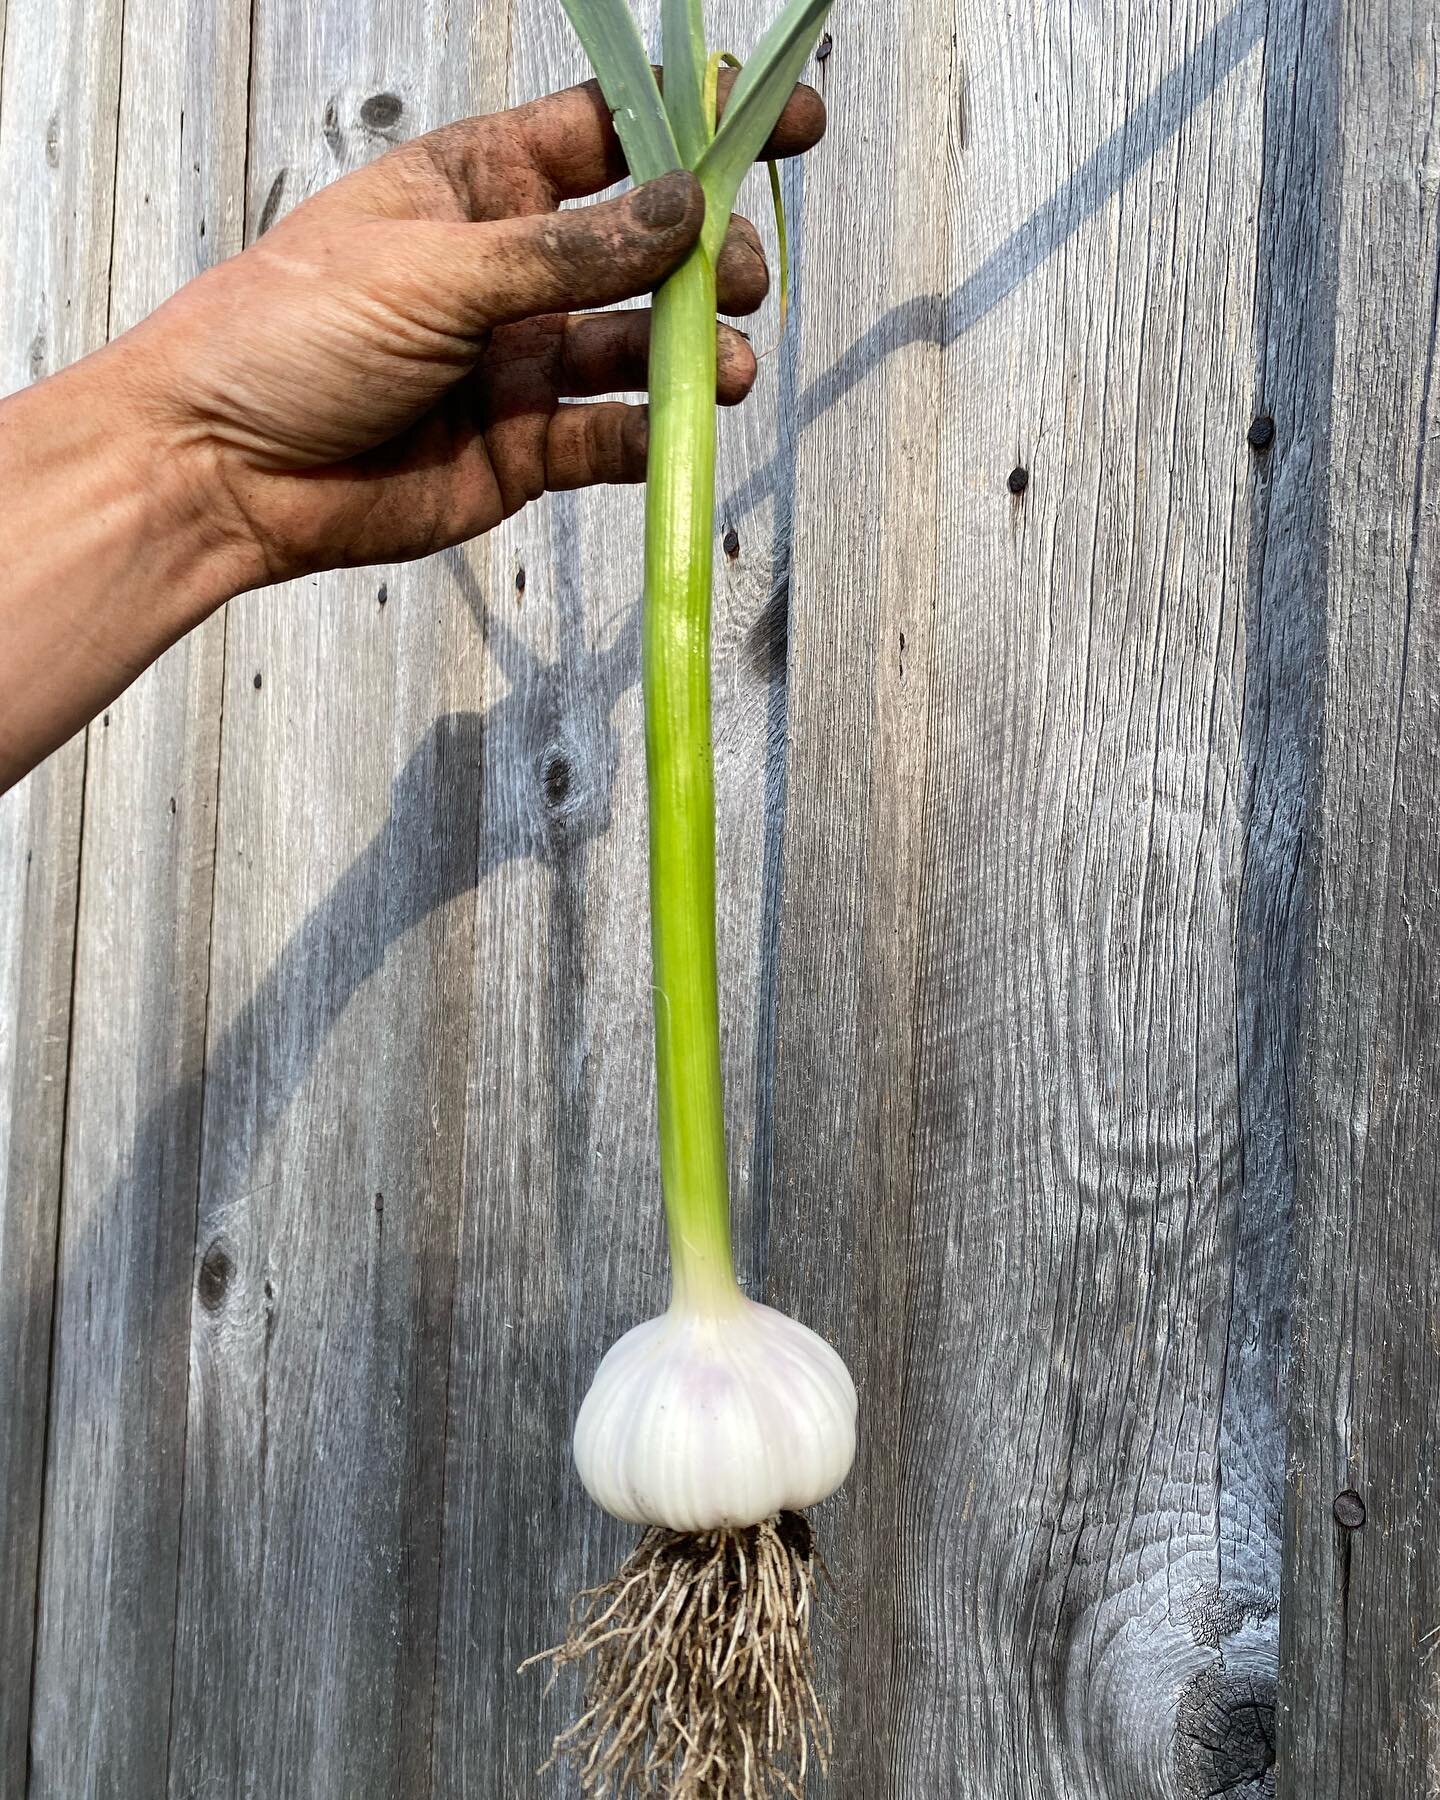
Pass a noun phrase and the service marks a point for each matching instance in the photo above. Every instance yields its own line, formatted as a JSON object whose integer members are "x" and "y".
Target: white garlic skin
{"x": 696, "y": 1420}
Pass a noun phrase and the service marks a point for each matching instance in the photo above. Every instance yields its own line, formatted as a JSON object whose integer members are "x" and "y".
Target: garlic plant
{"x": 717, "y": 1422}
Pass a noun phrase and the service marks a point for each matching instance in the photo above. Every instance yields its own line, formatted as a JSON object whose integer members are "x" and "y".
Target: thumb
{"x": 584, "y": 257}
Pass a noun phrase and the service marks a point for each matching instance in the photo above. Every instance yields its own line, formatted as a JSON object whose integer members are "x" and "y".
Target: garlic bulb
{"x": 705, "y": 1418}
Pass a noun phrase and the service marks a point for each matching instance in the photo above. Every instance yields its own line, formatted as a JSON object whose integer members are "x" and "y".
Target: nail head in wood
{"x": 1261, "y": 434}
{"x": 1349, "y": 1510}
{"x": 1018, "y": 480}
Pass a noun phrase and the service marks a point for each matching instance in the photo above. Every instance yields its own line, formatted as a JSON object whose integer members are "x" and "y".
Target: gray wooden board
{"x": 333, "y": 1111}
{"x": 561, "y": 1246}
{"x": 57, "y": 149}
{"x": 39, "y": 835}
{"x": 1285, "y": 677}
{"x": 1014, "y": 916}
{"x": 863, "y": 598}
{"x": 1018, "y": 793}
{"x": 351, "y": 837}
{"x": 116, "y": 1451}
{"x": 558, "y": 1246}
{"x": 1362, "y": 1712}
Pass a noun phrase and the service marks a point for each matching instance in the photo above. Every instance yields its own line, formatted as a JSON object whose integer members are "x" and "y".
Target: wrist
{"x": 160, "y": 482}
{"x": 110, "y": 545}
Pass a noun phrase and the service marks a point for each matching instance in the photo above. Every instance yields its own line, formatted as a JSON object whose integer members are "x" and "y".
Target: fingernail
{"x": 664, "y": 202}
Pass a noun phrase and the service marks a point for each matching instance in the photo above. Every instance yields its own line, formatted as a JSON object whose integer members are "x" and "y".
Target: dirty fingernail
{"x": 664, "y": 202}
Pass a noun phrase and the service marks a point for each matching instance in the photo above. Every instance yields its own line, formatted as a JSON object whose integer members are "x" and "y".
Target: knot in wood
{"x": 217, "y": 1267}
{"x": 1225, "y": 1734}
{"x": 381, "y": 111}
{"x": 558, "y": 777}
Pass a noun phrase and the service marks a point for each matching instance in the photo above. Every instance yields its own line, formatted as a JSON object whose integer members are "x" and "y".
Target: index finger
{"x": 564, "y": 146}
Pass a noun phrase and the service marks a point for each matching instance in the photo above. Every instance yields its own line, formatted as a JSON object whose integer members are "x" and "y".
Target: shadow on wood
{"x": 457, "y": 813}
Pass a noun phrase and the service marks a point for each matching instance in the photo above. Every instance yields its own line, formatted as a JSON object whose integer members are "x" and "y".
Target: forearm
{"x": 108, "y": 551}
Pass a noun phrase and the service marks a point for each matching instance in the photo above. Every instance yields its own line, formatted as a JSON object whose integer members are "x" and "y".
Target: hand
{"x": 383, "y": 373}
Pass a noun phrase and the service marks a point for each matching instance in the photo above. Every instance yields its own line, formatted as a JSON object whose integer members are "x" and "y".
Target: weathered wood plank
{"x": 1036, "y": 1044}
{"x": 1039, "y": 1171}
{"x": 336, "y": 1068}
{"x": 57, "y": 150}
{"x": 39, "y": 836}
{"x": 863, "y": 599}
{"x": 1284, "y": 666}
{"x": 558, "y": 1209}
{"x": 1362, "y": 1599}
{"x": 562, "y": 1246}
{"x": 116, "y": 1454}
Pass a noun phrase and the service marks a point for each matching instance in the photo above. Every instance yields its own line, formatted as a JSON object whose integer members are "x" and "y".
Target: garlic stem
{"x": 679, "y": 556}
{"x": 721, "y": 1412}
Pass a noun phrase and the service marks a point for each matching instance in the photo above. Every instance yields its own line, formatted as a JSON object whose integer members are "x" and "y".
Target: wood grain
{"x": 1035, "y": 1179}
{"x": 39, "y": 835}
{"x": 562, "y": 1247}
{"x": 1362, "y": 1605}
{"x": 349, "y": 841}
{"x": 57, "y": 153}
{"x": 558, "y": 1202}
{"x": 862, "y": 608}
{"x": 116, "y": 1455}
{"x": 1236, "y": 1702}
{"x": 1077, "y": 764}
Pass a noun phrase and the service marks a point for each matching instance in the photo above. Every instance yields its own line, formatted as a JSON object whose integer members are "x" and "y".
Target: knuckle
{"x": 737, "y": 367}
{"x": 741, "y": 228}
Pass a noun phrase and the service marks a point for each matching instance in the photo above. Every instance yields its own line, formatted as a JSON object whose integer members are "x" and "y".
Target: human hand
{"x": 384, "y": 373}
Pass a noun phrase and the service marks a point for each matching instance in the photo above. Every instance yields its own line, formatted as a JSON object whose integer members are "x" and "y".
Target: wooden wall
{"x": 1078, "y": 720}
